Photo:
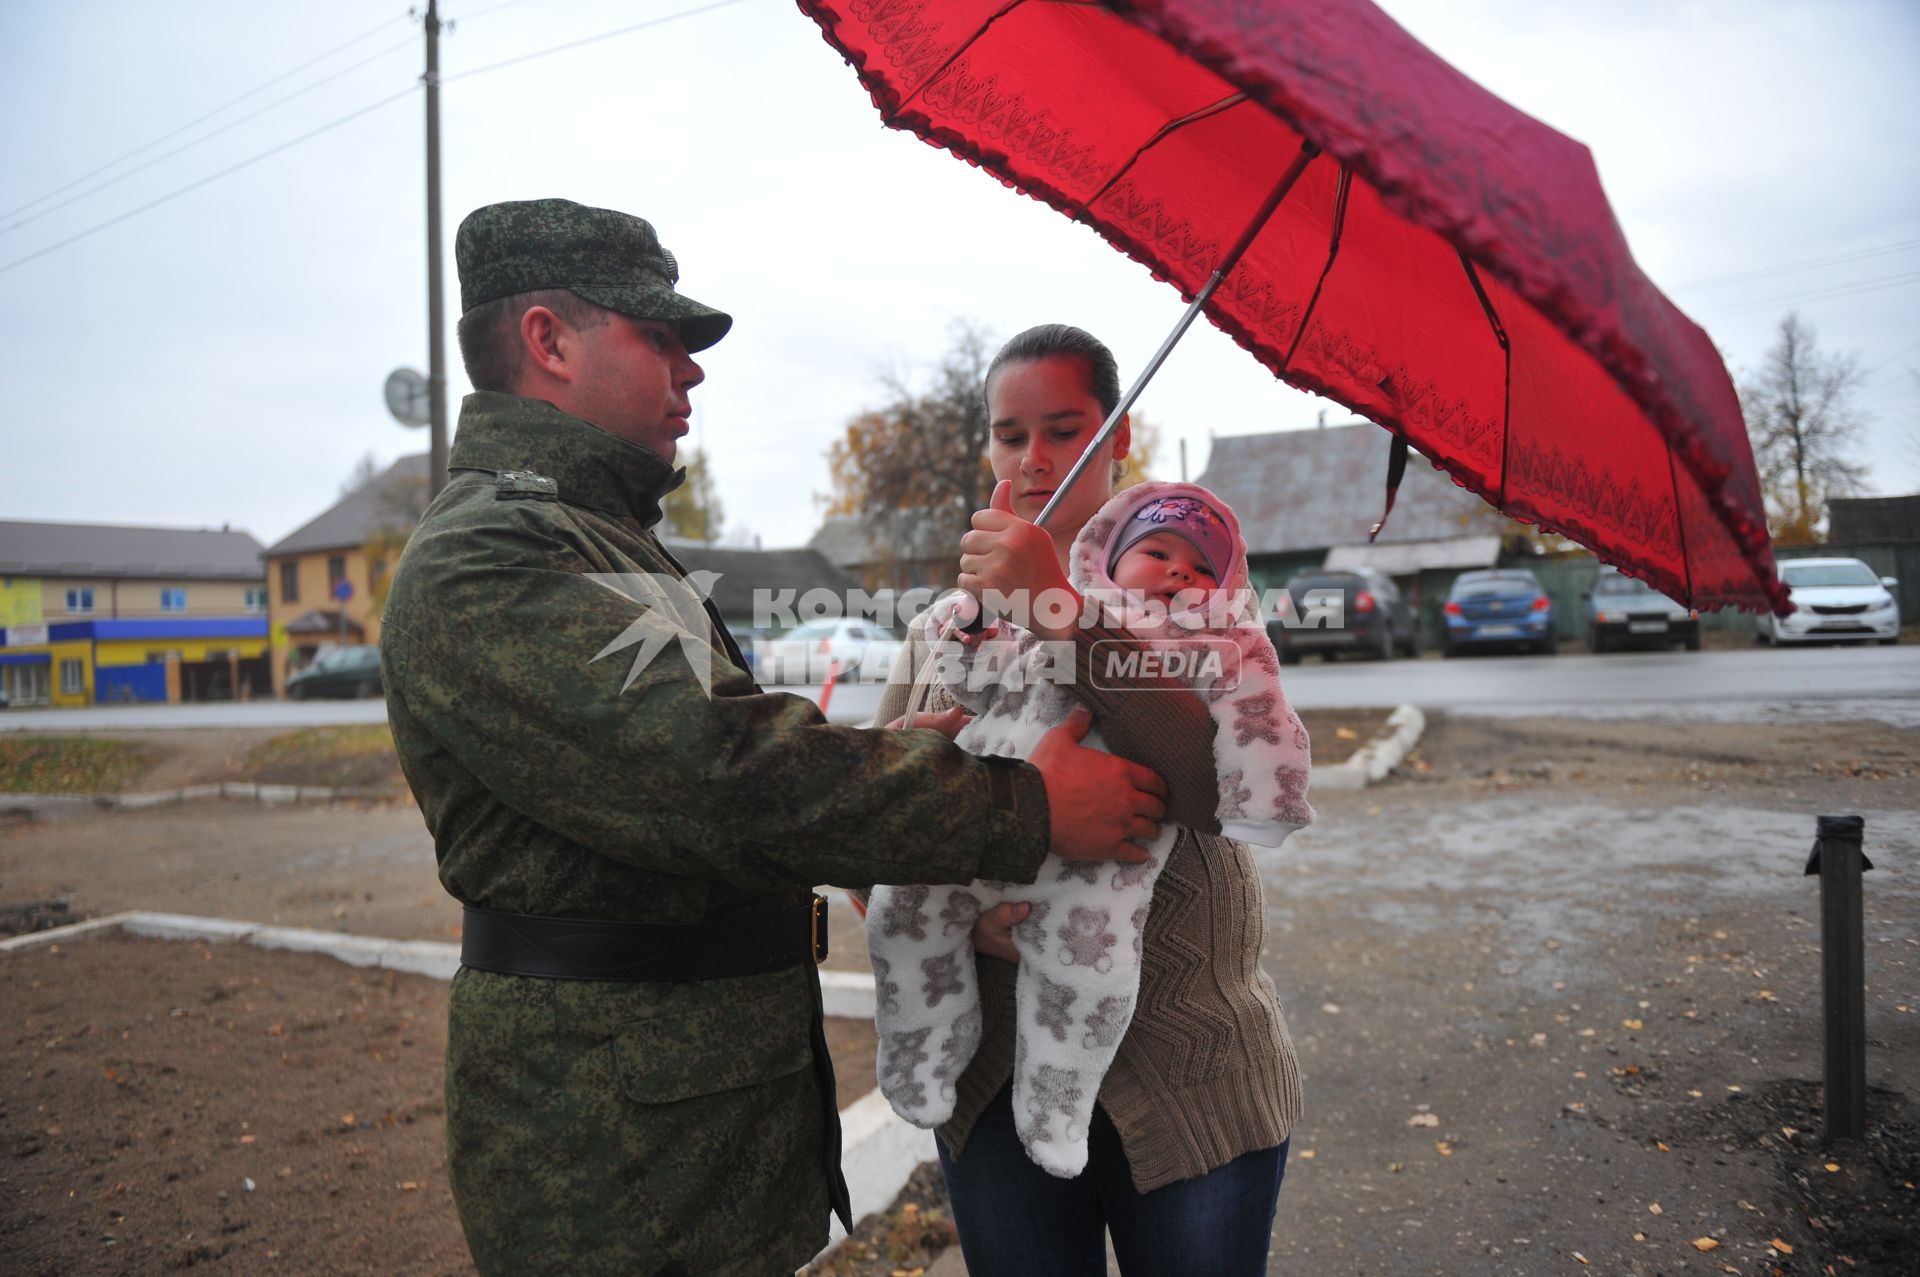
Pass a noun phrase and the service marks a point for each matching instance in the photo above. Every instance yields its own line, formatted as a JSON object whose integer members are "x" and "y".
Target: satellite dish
{"x": 407, "y": 397}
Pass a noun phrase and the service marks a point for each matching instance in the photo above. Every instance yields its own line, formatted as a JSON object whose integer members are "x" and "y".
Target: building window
{"x": 336, "y": 571}
{"x": 80, "y": 600}
{"x": 376, "y": 573}
{"x": 256, "y": 600}
{"x": 289, "y": 582}
{"x": 73, "y": 677}
{"x": 174, "y": 600}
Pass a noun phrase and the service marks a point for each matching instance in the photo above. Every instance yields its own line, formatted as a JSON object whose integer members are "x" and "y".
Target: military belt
{"x": 595, "y": 949}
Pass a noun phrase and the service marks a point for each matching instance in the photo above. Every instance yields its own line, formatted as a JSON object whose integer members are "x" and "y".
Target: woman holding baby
{"x": 1186, "y": 1147}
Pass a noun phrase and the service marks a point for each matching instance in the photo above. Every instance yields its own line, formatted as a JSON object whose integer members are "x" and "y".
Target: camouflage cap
{"x": 609, "y": 258}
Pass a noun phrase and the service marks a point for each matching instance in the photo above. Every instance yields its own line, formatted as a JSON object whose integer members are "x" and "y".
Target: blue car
{"x": 1501, "y": 607}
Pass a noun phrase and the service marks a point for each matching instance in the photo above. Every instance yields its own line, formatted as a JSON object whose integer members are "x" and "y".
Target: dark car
{"x": 345, "y": 672}
{"x": 1623, "y": 611}
{"x": 1500, "y": 607}
{"x": 1356, "y": 611}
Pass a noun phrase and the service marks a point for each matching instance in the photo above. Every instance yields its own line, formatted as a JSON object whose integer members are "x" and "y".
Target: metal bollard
{"x": 1839, "y": 860}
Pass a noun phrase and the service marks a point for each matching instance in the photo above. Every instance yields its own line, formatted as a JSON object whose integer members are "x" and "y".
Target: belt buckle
{"x": 818, "y": 921}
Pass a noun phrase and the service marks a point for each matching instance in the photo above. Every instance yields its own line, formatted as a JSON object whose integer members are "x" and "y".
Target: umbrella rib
{"x": 1160, "y": 135}
{"x": 1333, "y": 251}
{"x": 1506, "y": 350}
{"x": 1680, "y": 524}
{"x": 952, "y": 58}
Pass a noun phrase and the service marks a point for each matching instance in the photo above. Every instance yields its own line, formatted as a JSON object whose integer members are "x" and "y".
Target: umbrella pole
{"x": 1306, "y": 156}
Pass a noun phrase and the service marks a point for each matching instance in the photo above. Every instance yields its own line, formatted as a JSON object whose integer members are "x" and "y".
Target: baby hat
{"x": 1187, "y": 517}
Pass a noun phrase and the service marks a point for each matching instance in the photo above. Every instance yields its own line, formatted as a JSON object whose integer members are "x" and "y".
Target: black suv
{"x": 1357, "y": 610}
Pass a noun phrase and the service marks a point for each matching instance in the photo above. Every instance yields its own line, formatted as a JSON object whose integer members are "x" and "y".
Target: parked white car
{"x": 1837, "y": 600}
{"x": 845, "y": 650}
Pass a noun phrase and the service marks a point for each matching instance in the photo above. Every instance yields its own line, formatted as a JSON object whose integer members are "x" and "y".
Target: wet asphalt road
{"x": 1760, "y": 685}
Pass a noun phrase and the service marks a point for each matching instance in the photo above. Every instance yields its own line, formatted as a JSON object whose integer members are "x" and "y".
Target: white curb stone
{"x": 1373, "y": 761}
{"x": 879, "y": 1150}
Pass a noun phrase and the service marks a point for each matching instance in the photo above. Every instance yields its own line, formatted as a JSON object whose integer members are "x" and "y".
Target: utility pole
{"x": 436, "y": 308}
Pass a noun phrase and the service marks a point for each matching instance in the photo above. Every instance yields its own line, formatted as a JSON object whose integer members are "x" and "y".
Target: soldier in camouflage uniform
{"x": 602, "y": 1119}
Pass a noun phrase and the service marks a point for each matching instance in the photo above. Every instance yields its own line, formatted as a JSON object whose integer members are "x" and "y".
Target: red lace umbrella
{"x": 1414, "y": 247}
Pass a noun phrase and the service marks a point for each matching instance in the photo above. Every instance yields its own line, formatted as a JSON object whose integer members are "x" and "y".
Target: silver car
{"x": 1624, "y": 611}
{"x": 1837, "y": 600}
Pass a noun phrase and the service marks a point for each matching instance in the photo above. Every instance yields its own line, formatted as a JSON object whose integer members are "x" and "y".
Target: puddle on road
{"x": 1548, "y": 865}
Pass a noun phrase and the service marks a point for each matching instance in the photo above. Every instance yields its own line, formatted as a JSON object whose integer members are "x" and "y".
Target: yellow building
{"x": 105, "y": 613}
{"x": 327, "y": 580}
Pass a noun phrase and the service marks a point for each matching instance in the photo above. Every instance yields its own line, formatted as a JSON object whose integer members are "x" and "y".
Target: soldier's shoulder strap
{"x": 524, "y": 485}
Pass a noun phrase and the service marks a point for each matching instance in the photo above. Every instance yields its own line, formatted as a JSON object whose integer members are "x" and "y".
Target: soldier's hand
{"x": 1099, "y": 806}
{"x": 947, "y": 722}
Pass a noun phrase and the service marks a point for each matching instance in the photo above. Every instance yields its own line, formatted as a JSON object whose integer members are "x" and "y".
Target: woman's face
{"x": 1042, "y": 414}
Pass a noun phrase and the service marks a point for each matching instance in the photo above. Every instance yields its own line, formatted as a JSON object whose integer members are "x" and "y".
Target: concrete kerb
{"x": 38, "y": 806}
{"x": 1377, "y": 758}
{"x": 878, "y": 1149}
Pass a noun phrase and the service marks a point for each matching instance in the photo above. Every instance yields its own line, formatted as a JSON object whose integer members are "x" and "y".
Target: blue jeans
{"x": 1016, "y": 1220}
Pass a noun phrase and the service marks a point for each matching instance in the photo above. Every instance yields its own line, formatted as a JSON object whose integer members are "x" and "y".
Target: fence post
{"x": 1839, "y": 860}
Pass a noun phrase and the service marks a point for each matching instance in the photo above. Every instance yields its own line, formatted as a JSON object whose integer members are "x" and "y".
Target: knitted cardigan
{"x": 1206, "y": 1071}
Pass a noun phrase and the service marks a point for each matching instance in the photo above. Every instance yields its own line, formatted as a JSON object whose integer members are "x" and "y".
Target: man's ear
{"x": 1123, "y": 437}
{"x": 546, "y": 344}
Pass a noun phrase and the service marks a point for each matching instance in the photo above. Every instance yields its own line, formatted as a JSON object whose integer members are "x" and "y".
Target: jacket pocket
{"x": 713, "y": 1046}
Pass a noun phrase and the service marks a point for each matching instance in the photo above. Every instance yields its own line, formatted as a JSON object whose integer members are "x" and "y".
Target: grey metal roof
{"x": 113, "y": 550}
{"x": 1314, "y": 489}
{"x": 1858, "y": 520}
{"x": 852, "y": 540}
{"x": 744, "y": 571}
{"x": 392, "y": 502}
{"x": 1404, "y": 558}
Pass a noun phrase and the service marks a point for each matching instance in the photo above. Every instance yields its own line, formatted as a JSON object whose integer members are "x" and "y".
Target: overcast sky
{"x": 219, "y": 358}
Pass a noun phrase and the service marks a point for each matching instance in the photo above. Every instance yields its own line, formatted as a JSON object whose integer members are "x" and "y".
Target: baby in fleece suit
{"x": 1168, "y": 560}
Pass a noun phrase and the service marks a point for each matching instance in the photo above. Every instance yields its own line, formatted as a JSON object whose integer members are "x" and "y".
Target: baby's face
{"x": 1167, "y": 567}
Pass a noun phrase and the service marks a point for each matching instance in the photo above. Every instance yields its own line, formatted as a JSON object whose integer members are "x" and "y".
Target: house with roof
{"x": 1308, "y": 498}
{"x": 912, "y": 549}
{"x": 1874, "y": 520}
{"x": 327, "y": 579}
{"x": 97, "y": 612}
{"x": 750, "y": 580}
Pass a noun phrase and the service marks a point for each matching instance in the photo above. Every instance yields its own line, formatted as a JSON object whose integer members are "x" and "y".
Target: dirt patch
{"x": 234, "y": 1110}
{"x": 1338, "y": 733}
{"x": 1494, "y": 754}
{"x": 1856, "y": 1197}
{"x": 226, "y": 1111}
{"x": 366, "y": 868}
{"x": 355, "y": 757}
{"x": 70, "y": 764}
{"x": 360, "y": 757}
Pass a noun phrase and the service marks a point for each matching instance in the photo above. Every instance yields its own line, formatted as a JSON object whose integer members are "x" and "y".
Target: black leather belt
{"x": 591, "y": 949}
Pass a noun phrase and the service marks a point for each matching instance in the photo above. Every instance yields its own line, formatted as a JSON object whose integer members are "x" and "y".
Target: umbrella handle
{"x": 1308, "y": 151}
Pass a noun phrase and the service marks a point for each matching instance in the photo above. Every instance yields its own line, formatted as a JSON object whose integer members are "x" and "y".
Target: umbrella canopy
{"x": 1444, "y": 264}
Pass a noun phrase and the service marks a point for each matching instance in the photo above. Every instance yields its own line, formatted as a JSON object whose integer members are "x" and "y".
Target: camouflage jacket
{"x": 639, "y": 1127}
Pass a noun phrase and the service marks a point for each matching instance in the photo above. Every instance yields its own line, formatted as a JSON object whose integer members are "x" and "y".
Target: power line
{"x": 1787, "y": 268}
{"x": 1825, "y": 294}
{"x": 593, "y": 39}
{"x": 211, "y": 177}
{"x": 354, "y": 115}
{"x": 200, "y": 119}
{"x": 205, "y": 137}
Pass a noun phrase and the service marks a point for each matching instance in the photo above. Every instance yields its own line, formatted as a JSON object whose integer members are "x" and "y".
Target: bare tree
{"x": 1803, "y": 420}
{"x": 364, "y": 472}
